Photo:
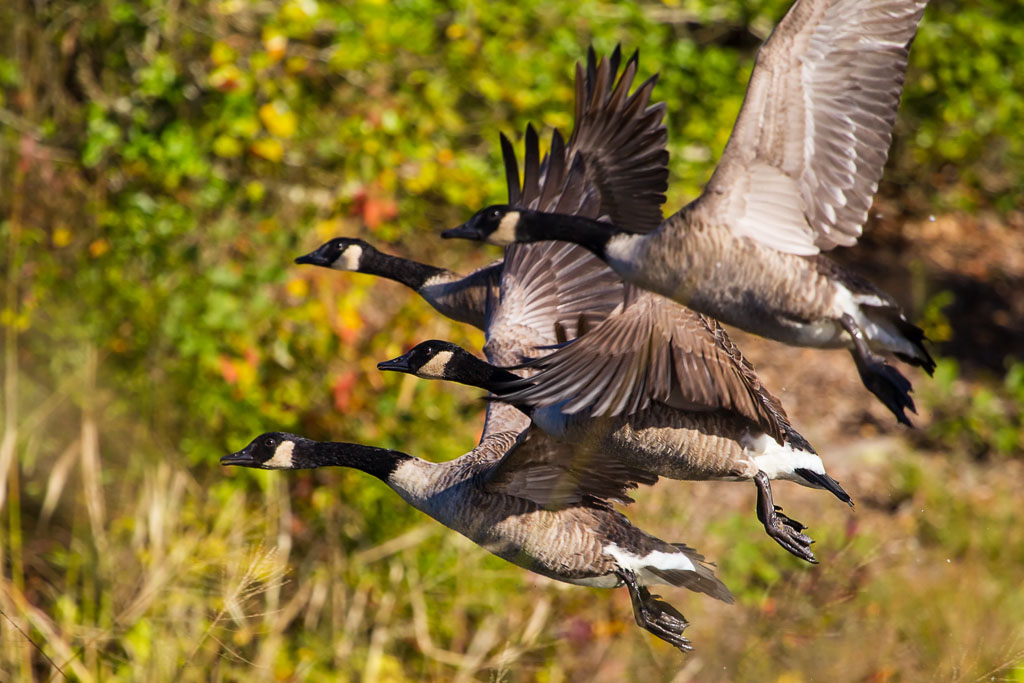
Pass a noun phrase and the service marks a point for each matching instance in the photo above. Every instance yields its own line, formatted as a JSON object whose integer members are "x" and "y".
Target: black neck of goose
{"x": 412, "y": 274}
{"x": 538, "y": 226}
{"x": 380, "y": 462}
{"x": 477, "y": 373}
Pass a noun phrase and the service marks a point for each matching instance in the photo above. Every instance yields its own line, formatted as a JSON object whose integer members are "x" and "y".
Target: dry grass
{"x": 138, "y": 570}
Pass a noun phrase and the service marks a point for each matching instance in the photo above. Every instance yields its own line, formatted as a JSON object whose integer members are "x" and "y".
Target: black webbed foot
{"x": 889, "y": 385}
{"x": 880, "y": 378}
{"x": 654, "y": 615}
{"x": 786, "y": 531}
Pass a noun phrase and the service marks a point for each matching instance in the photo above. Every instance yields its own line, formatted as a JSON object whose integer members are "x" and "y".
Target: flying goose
{"x": 488, "y": 495}
{"x": 614, "y": 165}
{"x": 698, "y": 442}
{"x": 796, "y": 178}
{"x": 545, "y": 287}
{"x": 459, "y": 297}
{"x": 625, "y": 176}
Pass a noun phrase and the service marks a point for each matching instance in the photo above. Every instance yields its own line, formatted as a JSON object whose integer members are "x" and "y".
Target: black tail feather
{"x": 915, "y": 335}
{"x": 909, "y": 331}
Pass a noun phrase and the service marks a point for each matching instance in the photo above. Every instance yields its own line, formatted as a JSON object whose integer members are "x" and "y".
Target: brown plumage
{"x": 486, "y": 495}
{"x": 796, "y": 177}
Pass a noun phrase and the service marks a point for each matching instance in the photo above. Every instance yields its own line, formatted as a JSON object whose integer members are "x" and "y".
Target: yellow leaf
{"x": 227, "y": 147}
{"x": 222, "y": 53}
{"x": 299, "y": 10}
{"x": 328, "y": 228}
{"x": 255, "y": 190}
{"x": 279, "y": 119}
{"x": 61, "y": 237}
{"x": 268, "y": 148}
{"x": 297, "y": 287}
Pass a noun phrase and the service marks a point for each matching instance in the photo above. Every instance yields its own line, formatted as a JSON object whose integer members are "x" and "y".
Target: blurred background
{"x": 162, "y": 163}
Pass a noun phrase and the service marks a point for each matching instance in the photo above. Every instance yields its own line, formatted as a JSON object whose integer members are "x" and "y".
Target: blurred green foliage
{"x": 980, "y": 422}
{"x": 160, "y": 166}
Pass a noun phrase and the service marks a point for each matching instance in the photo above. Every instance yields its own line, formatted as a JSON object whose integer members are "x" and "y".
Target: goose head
{"x": 498, "y": 224}
{"x": 340, "y": 253}
{"x": 433, "y": 359}
{"x": 272, "y": 451}
{"x": 436, "y": 359}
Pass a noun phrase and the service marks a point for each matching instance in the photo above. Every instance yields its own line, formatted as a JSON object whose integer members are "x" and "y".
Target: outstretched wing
{"x": 556, "y": 474}
{"x": 812, "y": 137}
{"x": 621, "y": 140}
{"x": 614, "y": 167}
{"x": 554, "y": 290}
{"x": 649, "y": 351}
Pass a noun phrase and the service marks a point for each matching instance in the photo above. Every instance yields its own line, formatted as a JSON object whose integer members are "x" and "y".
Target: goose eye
{"x": 495, "y": 213}
{"x": 270, "y": 442}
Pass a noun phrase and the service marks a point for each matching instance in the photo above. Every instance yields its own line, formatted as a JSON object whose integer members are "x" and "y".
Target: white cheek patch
{"x": 506, "y": 232}
{"x": 434, "y": 368}
{"x": 282, "y": 459}
{"x": 348, "y": 259}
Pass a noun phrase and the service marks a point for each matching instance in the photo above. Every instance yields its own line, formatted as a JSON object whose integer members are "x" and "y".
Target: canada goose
{"x": 614, "y": 165}
{"x": 458, "y": 297}
{"x": 625, "y": 175}
{"x": 487, "y": 496}
{"x": 697, "y": 443}
{"x": 796, "y": 178}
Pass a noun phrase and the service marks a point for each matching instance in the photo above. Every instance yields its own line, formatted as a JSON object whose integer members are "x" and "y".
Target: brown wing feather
{"x": 556, "y": 474}
{"x": 650, "y": 352}
{"x": 812, "y": 137}
{"x": 615, "y": 164}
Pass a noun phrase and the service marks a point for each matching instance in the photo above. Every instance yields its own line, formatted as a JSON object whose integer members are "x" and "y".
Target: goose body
{"x": 614, "y": 167}
{"x": 796, "y": 179}
{"x": 688, "y": 445}
{"x": 663, "y": 440}
{"x": 486, "y": 495}
{"x": 800, "y": 300}
{"x": 551, "y": 289}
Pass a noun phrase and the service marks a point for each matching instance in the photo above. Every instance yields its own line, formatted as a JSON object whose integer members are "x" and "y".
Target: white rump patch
{"x": 880, "y": 333}
{"x": 506, "y": 232}
{"x": 435, "y": 367}
{"x": 656, "y": 559}
{"x": 780, "y": 462}
{"x": 282, "y": 459}
{"x": 348, "y": 259}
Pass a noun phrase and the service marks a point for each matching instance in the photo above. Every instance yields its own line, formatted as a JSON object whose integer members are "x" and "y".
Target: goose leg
{"x": 785, "y": 530}
{"x": 881, "y": 379}
{"x": 656, "y": 616}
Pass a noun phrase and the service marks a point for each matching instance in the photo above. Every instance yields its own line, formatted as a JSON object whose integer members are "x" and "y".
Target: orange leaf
{"x": 341, "y": 389}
